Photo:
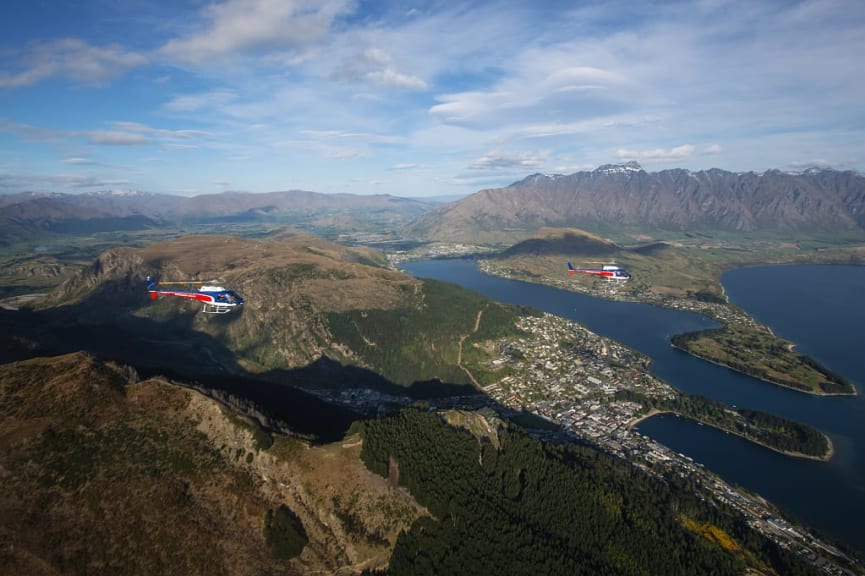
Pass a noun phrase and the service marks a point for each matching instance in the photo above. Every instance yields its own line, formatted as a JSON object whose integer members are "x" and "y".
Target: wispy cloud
{"x": 657, "y": 154}
{"x": 116, "y": 138}
{"x": 17, "y": 182}
{"x": 509, "y": 161}
{"x": 71, "y": 58}
{"x": 83, "y": 181}
{"x": 375, "y": 66}
{"x": 238, "y": 27}
{"x": 79, "y": 160}
{"x": 198, "y": 101}
{"x": 123, "y": 134}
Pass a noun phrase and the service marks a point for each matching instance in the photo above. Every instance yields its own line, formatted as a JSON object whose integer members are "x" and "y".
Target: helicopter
{"x": 216, "y": 299}
{"x": 610, "y": 272}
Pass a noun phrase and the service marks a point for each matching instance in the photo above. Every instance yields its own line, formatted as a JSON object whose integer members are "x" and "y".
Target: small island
{"x": 764, "y": 356}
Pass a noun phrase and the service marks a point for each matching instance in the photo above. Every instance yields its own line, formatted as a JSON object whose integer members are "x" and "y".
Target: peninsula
{"x": 764, "y": 356}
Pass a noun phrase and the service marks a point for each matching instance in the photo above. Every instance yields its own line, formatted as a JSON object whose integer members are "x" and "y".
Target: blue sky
{"x": 441, "y": 98}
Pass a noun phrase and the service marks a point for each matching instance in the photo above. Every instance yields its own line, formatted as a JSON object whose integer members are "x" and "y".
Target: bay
{"x": 817, "y": 307}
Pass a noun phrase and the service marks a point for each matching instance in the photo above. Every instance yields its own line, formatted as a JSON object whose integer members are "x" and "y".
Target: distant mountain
{"x": 25, "y": 216}
{"x": 294, "y": 201}
{"x": 626, "y": 197}
{"x": 29, "y": 215}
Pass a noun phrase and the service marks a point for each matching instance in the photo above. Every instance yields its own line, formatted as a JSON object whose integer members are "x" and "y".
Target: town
{"x": 570, "y": 376}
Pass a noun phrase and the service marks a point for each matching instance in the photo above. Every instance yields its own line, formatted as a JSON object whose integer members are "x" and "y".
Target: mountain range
{"x": 627, "y": 198}
{"x": 29, "y": 215}
{"x": 622, "y": 198}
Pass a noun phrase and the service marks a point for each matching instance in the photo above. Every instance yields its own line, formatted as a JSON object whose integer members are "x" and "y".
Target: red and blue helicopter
{"x": 610, "y": 272}
{"x": 216, "y": 299}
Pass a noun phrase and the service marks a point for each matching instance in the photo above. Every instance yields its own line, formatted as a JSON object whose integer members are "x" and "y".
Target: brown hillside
{"x": 105, "y": 475}
{"x": 289, "y": 284}
{"x": 658, "y": 267}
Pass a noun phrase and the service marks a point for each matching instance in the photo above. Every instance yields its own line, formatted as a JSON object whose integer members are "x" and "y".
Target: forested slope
{"x": 532, "y": 508}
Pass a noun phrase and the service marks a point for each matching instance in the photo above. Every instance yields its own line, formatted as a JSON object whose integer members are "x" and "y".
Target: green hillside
{"x": 530, "y": 508}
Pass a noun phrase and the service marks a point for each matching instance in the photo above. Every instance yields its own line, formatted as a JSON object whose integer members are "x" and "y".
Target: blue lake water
{"x": 820, "y": 308}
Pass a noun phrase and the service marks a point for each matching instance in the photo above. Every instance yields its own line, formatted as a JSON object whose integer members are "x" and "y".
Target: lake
{"x": 819, "y": 307}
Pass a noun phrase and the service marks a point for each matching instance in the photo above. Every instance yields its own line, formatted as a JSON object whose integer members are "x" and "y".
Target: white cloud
{"x": 37, "y": 133}
{"x": 816, "y": 163}
{"x": 123, "y": 134}
{"x": 194, "y": 102}
{"x": 160, "y": 132}
{"x": 85, "y": 181}
{"x": 238, "y": 26}
{"x": 367, "y": 137}
{"x": 389, "y": 78}
{"x": 563, "y": 82}
{"x": 334, "y": 153}
{"x": 657, "y": 154}
{"x": 78, "y": 160}
{"x": 175, "y": 146}
{"x": 116, "y": 138}
{"x": 375, "y": 66}
{"x": 508, "y": 161}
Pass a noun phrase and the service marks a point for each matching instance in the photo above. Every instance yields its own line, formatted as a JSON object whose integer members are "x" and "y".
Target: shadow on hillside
{"x": 328, "y": 374}
{"x": 572, "y": 245}
{"x": 173, "y": 349}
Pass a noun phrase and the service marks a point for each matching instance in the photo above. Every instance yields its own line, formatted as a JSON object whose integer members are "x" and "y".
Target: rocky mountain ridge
{"x": 105, "y": 473}
{"x": 626, "y": 197}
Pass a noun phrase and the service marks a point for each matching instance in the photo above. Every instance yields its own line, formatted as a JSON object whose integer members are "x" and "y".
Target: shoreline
{"x": 830, "y": 452}
{"x": 666, "y": 305}
{"x": 854, "y": 393}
